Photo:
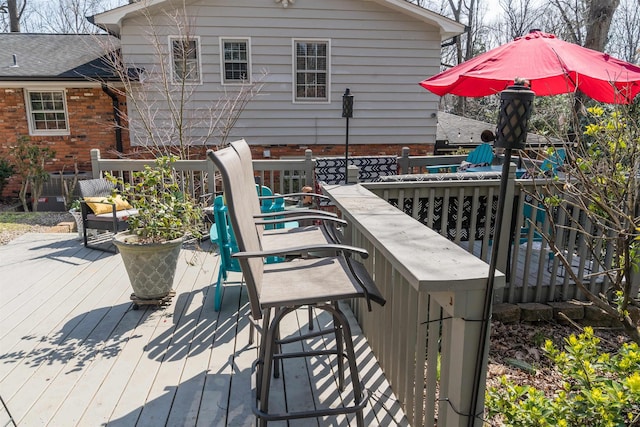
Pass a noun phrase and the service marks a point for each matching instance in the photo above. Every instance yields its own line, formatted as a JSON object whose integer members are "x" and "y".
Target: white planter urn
{"x": 151, "y": 266}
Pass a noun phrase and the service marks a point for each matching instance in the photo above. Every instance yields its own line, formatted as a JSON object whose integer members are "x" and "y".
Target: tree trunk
{"x": 599, "y": 16}
{"x": 14, "y": 18}
{"x": 23, "y": 193}
{"x": 599, "y": 19}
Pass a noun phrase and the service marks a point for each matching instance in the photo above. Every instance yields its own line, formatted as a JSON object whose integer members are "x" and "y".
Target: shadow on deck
{"x": 74, "y": 352}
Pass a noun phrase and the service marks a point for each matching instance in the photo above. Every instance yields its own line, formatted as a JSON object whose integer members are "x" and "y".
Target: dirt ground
{"x": 516, "y": 351}
{"x": 14, "y": 224}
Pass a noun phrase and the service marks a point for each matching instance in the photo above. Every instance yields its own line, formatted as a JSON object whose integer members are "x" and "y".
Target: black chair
{"x": 102, "y": 215}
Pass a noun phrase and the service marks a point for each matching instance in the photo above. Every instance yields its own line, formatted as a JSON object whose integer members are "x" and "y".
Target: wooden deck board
{"x": 39, "y": 319}
{"x": 73, "y": 352}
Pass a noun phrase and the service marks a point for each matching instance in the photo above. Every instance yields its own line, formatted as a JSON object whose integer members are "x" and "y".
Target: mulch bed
{"x": 516, "y": 351}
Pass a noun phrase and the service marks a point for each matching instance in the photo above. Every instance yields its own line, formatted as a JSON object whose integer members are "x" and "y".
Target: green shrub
{"x": 599, "y": 389}
{"x": 165, "y": 212}
{"x": 30, "y": 160}
{"x": 6, "y": 171}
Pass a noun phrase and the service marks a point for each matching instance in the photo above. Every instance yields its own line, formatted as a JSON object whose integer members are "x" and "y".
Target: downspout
{"x": 116, "y": 113}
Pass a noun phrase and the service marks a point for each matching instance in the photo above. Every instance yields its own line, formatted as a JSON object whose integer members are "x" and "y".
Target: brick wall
{"x": 91, "y": 122}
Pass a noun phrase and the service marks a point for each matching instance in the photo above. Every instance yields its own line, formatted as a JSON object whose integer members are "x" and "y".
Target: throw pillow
{"x": 102, "y": 205}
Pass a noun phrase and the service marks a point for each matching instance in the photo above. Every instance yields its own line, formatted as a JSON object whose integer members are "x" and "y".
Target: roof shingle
{"x": 55, "y": 56}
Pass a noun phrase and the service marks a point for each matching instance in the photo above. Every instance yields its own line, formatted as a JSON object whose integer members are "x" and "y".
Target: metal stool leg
{"x": 353, "y": 367}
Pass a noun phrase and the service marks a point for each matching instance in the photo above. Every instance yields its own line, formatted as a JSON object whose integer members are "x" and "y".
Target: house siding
{"x": 380, "y": 54}
{"x": 91, "y": 125}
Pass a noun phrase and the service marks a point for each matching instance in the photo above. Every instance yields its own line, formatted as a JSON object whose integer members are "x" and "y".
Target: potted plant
{"x": 166, "y": 216}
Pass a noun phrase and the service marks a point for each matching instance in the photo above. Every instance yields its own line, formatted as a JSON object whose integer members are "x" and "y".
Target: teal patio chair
{"x": 268, "y": 204}
{"x": 482, "y": 155}
{"x": 555, "y": 161}
{"x": 535, "y": 215}
{"x": 222, "y": 235}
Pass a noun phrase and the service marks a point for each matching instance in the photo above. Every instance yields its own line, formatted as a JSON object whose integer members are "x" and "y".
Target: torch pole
{"x": 511, "y": 133}
{"x": 486, "y": 312}
{"x": 346, "y": 153}
{"x": 347, "y": 113}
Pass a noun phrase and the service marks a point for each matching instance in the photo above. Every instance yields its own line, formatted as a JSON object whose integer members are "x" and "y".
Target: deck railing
{"x": 461, "y": 210}
{"x": 195, "y": 174}
{"x": 533, "y": 273}
{"x": 286, "y": 175}
{"x": 198, "y": 176}
{"x": 408, "y": 164}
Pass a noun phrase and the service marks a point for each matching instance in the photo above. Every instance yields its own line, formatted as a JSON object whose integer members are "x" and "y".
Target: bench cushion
{"x": 121, "y": 215}
{"x": 103, "y": 205}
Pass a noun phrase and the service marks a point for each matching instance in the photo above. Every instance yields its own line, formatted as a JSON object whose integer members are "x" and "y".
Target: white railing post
{"x": 95, "y": 163}
{"x": 403, "y": 161}
{"x": 211, "y": 179}
{"x": 459, "y": 356}
{"x": 309, "y": 168}
{"x": 503, "y": 263}
{"x": 353, "y": 174}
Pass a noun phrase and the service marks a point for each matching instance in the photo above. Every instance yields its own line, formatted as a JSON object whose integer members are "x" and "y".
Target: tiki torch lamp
{"x": 516, "y": 103}
{"x": 347, "y": 113}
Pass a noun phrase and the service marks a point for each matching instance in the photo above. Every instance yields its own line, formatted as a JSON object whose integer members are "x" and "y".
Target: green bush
{"x": 165, "y": 212}
{"x": 599, "y": 389}
{"x": 6, "y": 171}
{"x": 30, "y": 160}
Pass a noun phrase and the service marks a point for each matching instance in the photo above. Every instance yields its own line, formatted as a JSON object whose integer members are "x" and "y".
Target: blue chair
{"x": 537, "y": 215}
{"x": 556, "y": 160}
{"x": 270, "y": 205}
{"x": 482, "y": 155}
{"x": 222, "y": 235}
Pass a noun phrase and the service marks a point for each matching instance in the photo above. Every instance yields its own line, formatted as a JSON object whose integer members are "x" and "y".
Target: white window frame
{"x": 174, "y": 79}
{"x": 33, "y": 130}
{"x": 223, "y": 79}
{"x": 294, "y": 70}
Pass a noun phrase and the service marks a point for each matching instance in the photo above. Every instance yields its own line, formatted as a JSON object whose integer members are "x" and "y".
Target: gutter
{"x": 56, "y": 79}
{"x": 116, "y": 113}
{"x": 104, "y": 28}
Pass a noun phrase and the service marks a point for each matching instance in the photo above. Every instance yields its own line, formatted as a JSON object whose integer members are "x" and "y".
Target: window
{"x": 47, "y": 112}
{"x": 185, "y": 57}
{"x": 311, "y": 65}
{"x": 236, "y": 67}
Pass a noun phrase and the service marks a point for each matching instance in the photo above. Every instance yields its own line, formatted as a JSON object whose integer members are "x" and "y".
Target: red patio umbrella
{"x": 551, "y": 65}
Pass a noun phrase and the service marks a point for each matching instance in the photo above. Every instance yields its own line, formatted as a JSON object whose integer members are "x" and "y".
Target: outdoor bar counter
{"x": 435, "y": 297}
{"x": 427, "y": 259}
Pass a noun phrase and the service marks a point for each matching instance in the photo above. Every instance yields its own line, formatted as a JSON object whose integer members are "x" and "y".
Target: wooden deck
{"x": 73, "y": 352}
